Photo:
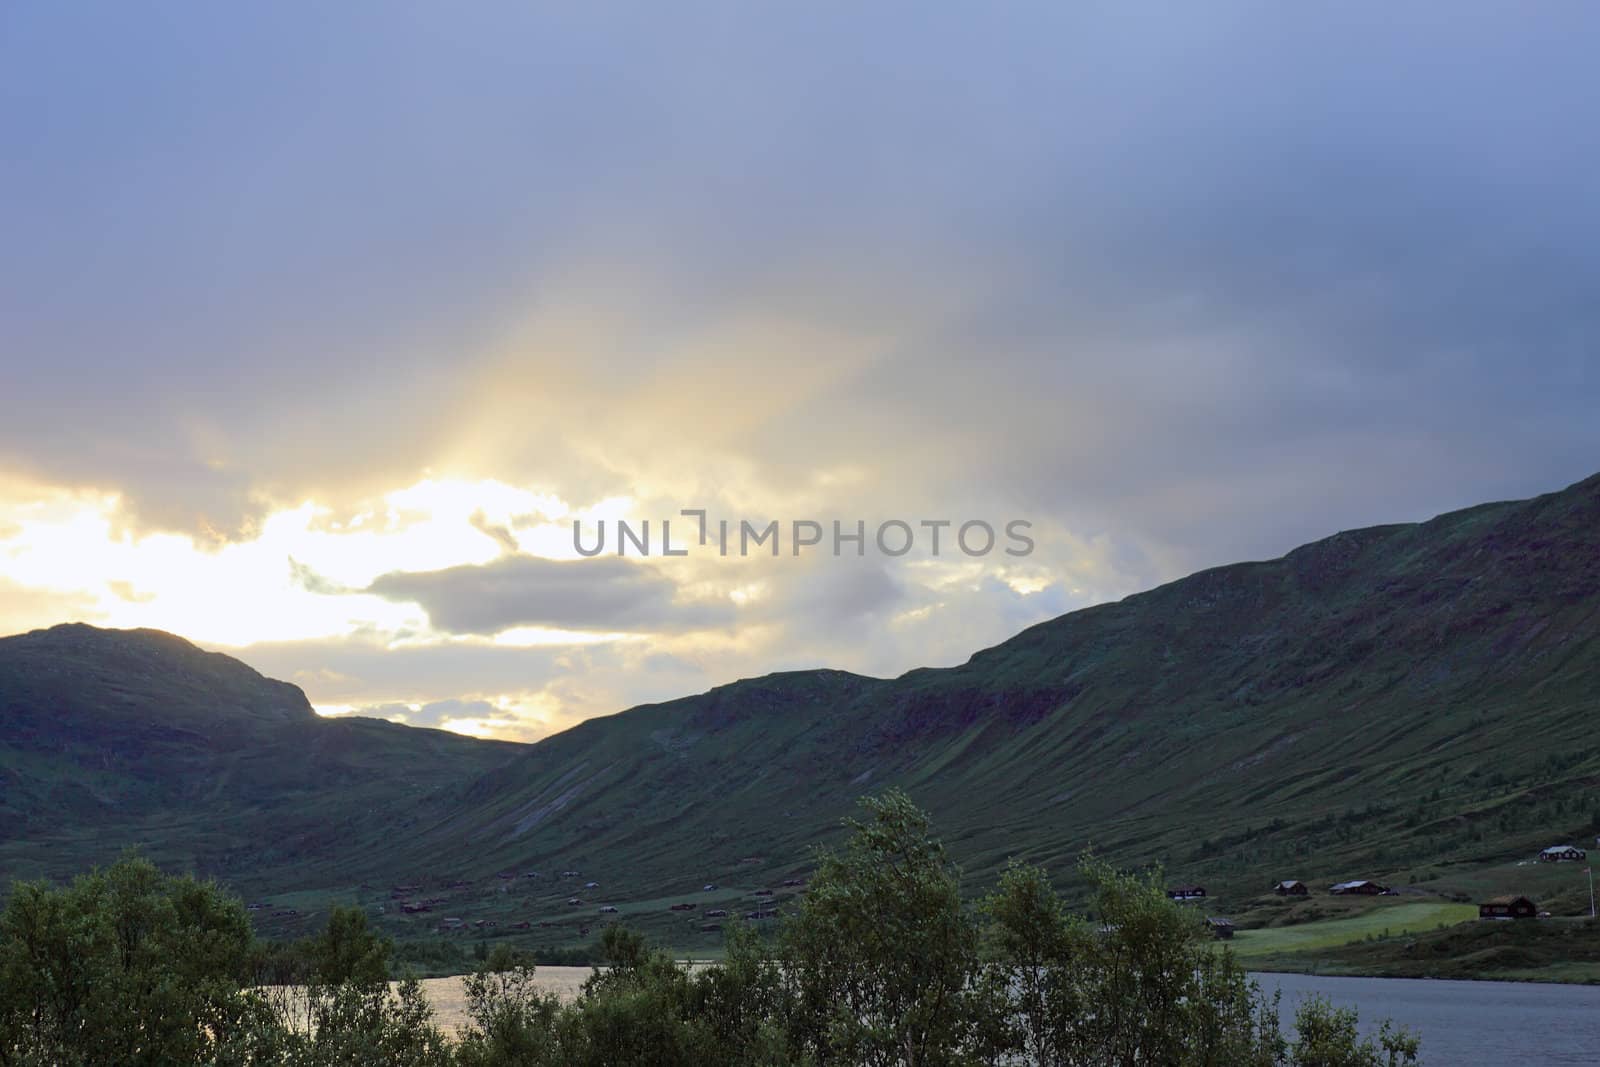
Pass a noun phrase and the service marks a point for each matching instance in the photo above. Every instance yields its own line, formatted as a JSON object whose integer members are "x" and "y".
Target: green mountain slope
{"x": 1386, "y": 702}
{"x": 115, "y": 737}
{"x": 1403, "y": 702}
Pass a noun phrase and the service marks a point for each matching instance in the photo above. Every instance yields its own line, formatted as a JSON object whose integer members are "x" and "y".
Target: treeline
{"x": 881, "y": 963}
{"x": 295, "y": 962}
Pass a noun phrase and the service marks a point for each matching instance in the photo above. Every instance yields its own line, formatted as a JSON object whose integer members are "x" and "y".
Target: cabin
{"x": 711, "y": 928}
{"x": 709, "y": 887}
{"x": 717, "y": 913}
{"x": 1359, "y": 887}
{"x": 763, "y": 892}
{"x": 1562, "y": 854}
{"x": 451, "y": 923}
{"x": 791, "y": 883}
{"x": 573, "y": 902}
{"x": 1187, "y": 892}
{"x": 608, "y": 909}
{"x": 1507, "y": 907}
{"x": 591, "y": 885}
{"x": 683, "y": 907}
{"x": 1291, "y": 887}
{"x": 1221, "y": 929}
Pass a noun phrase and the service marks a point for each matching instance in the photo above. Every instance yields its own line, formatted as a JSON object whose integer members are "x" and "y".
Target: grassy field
{"x": 1383, "y": 921}
{"x": 1530, "y": 950}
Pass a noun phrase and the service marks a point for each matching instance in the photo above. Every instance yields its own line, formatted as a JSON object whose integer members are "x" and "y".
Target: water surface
{"x": 1477, "y": 1024}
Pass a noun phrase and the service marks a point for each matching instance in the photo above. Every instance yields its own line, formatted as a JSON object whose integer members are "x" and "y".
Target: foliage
{"x": 1328, "y": 1037}
{"x": 1138, "y": 984}
{"x": 123, "y": 966}
{"x": 881, "y": 964}
{"x": 881, "y": 960}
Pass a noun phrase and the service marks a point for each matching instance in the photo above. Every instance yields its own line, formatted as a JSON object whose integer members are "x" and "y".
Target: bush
{"x": 881, "y": 964}
{"x": 125, "y": 966}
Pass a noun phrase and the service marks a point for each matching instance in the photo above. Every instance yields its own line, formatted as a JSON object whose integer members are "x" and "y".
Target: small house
{"x": 1359, "y": 887}
{"x": 1187, "y": 892}
{"x": 608, "y": 909}
{"x": 1221, "y": 929}
{"x": 717, "y": 913}
{"x": 1507, "y": 907}
{"x": 1562, "y": 854}
{"x": 1291, "y": 887}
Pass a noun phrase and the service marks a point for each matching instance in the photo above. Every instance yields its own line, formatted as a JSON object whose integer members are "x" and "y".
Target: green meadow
{"x": 1381, "y": 921}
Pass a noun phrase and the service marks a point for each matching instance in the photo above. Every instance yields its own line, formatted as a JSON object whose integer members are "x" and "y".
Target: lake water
{"x": 1478, "y": 1024}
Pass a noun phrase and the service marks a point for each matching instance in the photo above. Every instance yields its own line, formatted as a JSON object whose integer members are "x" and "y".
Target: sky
{"x": 321, "y": 324}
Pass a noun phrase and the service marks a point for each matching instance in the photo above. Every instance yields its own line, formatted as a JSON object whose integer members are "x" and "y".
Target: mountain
{"x": 114, "y": 737}
{"x": 1407, "y": 702}
{"x": 1393, "y": 702}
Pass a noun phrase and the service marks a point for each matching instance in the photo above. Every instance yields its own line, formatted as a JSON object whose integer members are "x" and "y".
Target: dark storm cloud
{"x": 608, "y": 595}
{"x": 1216, "y": 278}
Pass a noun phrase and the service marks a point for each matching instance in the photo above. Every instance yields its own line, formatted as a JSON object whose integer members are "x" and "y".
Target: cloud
{"x": 441, "y": 713}
{"x": 312, "y": 582}
{"x": 1234, "y": 249}
{"x": 606, "y": 594}
{"x": 1179, "y": 287}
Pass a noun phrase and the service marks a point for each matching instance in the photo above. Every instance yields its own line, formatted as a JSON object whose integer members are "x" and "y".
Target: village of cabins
{"x": 1512, "y": 906}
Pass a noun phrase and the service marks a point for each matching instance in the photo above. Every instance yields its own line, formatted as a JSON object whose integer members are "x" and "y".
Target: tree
{"x": 1328, "y": 1037}
{"x": 880, "y": 962}
{"x": 1037, "y": 951}
{"x": 1140, "y": 983}
{"x": 126, "y": 965}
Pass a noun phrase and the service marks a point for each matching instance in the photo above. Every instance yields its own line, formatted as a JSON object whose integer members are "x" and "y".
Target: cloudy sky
{"x": 321, "y": 323}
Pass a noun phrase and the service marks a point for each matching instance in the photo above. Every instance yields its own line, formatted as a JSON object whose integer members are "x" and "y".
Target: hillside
{"x": 116, "y": 737}
{"x": 1412, "y": 703}
{"x": 1402, "y": 702}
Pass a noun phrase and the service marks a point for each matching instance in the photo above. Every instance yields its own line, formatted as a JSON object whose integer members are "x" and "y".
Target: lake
{"x": 1484, "y": 1024}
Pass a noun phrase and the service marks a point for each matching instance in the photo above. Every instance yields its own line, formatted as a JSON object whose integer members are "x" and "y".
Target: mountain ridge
{"x": 1399, "y": 700}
